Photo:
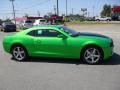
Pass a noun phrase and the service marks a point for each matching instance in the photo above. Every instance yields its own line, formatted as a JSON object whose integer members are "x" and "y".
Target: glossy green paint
{"x": 69, "y": 47}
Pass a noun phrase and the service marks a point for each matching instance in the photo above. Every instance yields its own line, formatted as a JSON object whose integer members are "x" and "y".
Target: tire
{"x": 19, "y": 53}
{"x": 1, "y": 28}
{"x": 108, "y": 20}
{"x": 92, "y": 55}
{"x": 98, "y": 20}
{"x": 4, "y": 30}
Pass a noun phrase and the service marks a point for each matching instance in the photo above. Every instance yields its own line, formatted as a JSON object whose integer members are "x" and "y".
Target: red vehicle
{"x": 55, "y": 19}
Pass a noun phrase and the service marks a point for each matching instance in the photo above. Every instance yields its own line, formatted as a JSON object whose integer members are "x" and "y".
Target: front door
{"x": 48, "y": 44}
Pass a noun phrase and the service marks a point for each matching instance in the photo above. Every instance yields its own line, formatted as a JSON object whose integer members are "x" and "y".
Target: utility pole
{"x": 54, "y": 9}
{"x": 88, "y": 14}
{"x": 72, "y": 11}
{"x": 66, "y": 7}
{"x": 57, "y": 8}
{"x": 38, "y": 12}
{"x": 13, "y": 10}
{"x": 93, "y": 10}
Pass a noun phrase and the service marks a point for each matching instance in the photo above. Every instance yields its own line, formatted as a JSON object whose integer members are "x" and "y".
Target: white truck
{"x": 40, "y": 22}
{"x": 103, "y": 18}
{"x": 26, "y": 24}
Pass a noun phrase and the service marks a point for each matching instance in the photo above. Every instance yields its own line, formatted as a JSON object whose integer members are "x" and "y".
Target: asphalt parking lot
{"x": 61, "y": 74}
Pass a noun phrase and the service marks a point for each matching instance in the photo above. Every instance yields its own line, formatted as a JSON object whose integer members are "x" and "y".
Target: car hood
{"x": 92, "y": 35}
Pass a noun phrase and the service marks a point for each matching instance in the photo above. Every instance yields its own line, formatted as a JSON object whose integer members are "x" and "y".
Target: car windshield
{"x": 42, "y": 20}
{"x": 8, "y": 23}
{"x": 70, "y": 31}
{"x": 28, "y": 21}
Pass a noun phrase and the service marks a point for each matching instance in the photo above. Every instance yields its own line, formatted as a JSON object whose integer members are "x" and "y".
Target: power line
{"x": 35, "y": 5}
{"x": 5, "y": 10}
{"x": 10, "y": 13}
{"x": 8, "y": 10}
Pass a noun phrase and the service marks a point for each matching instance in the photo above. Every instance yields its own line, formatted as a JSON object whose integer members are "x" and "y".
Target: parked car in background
{"x": 119, "y": 18}
{"x": 103, "y": 18}
{"x": 26, "y": 24}
{"x": 8, "y": 26}
{"x": 55, "y": 19}
{"x": 90, "y": 18}
{"x": 40, "y": 22}
{"x": 114, "y": 18}
{"x": 0, "y": 26}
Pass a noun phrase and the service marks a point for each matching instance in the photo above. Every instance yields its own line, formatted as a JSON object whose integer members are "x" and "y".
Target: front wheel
{"x": 19, "y": 53}
{"x": 98, "y": 20}
{"x": 92, "y": 55}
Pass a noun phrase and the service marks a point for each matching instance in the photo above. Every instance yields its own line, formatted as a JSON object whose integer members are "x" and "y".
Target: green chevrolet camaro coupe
{"x": 58, "y": 42}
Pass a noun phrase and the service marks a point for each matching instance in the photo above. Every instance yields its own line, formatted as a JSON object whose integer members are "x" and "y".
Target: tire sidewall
{"x": 24, "y": 51}
{"x": 100, "y": 52}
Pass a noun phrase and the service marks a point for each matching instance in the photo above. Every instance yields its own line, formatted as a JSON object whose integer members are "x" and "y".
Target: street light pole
{"x": 13, "y": 10}
{"x": 72, "y": 11}
{"x": 57, "y": 8}
{"x": 66, "y": 8}
{"x": 93, "y": 10}
{"x": 54, "y": 9}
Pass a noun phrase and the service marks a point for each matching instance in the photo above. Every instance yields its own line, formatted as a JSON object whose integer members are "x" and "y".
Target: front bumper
{"x": 9, "y": 29}
{"x": 108, "y": 52}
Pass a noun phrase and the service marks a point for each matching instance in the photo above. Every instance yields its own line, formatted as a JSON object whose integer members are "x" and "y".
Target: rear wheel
{"x": 19, "y": 53}
{"x": 108, "y": 20}
{"x": 3, "y": 30}
{"x": 92, "y": 55}
{"x": 98, "y": 20}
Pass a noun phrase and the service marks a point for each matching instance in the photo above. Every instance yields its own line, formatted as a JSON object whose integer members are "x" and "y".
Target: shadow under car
{"x": 114, "y": 60}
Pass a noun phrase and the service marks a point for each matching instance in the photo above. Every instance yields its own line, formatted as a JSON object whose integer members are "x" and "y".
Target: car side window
{"x": 44, "y": 33}
{"x": 32, "y": 33}
{"x": 47, "y": 33}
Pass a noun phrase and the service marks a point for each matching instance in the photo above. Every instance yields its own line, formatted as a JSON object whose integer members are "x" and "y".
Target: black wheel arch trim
{"x": 19, "y": 44}
{"x": 91, "y": 45}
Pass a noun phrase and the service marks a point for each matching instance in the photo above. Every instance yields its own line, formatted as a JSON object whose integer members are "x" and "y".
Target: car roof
{"x": 41, "y": 27}
{"x": 8, "y": 23}
{"x": 40, "y": 19}
{"x": 48, "y": 26}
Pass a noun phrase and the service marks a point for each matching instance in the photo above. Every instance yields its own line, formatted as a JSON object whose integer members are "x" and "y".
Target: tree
{"x": 26, "y": 15}
{"x": 106, "y": 10}
{"x": 0, "y": 21}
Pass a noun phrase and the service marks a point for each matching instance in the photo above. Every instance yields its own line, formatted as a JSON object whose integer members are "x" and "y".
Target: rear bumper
{"x": 9, "y": 29}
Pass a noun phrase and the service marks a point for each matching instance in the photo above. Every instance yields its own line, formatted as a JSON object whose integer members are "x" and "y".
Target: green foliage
{"x": 0, "y": 21}
{"x": 106, "y": 10}
{"x": 76, "y": 17}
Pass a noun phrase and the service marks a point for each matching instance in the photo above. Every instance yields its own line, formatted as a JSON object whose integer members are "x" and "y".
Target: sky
{"x": 32, "y": 7}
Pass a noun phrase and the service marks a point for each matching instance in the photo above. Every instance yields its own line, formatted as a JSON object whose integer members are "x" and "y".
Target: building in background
{"x": 116, "y": 12}
{"x": 19, "y": 19}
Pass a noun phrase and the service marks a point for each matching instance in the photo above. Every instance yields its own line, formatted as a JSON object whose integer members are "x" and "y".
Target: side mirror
{"x": 62, "y": 36}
